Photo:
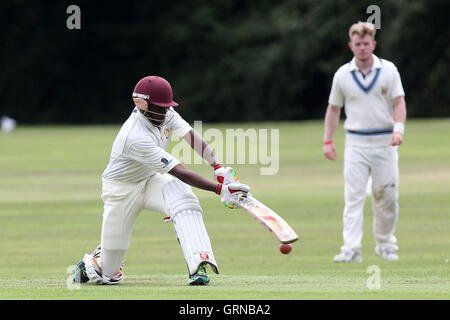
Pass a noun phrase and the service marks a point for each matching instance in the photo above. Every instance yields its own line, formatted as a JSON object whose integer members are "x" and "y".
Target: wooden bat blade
{"x": 268, "y": 219}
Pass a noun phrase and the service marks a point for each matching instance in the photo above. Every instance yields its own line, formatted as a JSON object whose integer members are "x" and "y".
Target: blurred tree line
{"x": 226, "y": 60}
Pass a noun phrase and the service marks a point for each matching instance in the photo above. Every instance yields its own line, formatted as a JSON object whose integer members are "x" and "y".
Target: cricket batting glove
{"x": 225, "y": 175}
{"x": 230, "y": 193}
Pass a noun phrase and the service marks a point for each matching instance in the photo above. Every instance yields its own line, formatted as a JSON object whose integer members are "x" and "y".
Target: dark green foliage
{"x": 249, "y": 60}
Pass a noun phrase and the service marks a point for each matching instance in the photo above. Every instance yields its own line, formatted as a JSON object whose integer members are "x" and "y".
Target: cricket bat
{"x": 268, "y": 219}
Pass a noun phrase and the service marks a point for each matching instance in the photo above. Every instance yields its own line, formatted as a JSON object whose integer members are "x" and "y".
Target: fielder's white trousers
{"x": 359, "y": 164}
{"x": 122, "y": 204}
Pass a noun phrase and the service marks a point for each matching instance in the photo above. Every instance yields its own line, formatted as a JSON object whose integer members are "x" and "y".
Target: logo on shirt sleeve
{"x": 165, "y": 161}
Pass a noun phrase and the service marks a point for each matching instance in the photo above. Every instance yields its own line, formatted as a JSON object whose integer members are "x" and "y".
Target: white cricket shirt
{"x": 368, "y": 101}
{"x": 139, "y": 150}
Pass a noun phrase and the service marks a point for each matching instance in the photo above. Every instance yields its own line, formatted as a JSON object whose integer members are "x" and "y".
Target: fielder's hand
{"x": 230, "y": 193}
{"x": 225, "y": 175}
{"x": 396, "y": 139}
{"x": 329, "y": 151}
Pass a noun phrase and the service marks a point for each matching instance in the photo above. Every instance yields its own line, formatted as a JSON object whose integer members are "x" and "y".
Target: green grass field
{"x": 51, "y": 212}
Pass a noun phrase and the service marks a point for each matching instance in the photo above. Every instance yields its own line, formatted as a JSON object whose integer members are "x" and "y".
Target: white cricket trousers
{"x": 359, "y": 164}
{"x": 122, "y": 204}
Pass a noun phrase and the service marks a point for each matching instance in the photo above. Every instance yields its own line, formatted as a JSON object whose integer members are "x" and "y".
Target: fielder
{"x": 371, "y": 90}
{"x": 141, "y": 174}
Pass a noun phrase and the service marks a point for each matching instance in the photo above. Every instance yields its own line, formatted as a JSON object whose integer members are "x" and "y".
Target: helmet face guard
{"x": 159, "y": 121}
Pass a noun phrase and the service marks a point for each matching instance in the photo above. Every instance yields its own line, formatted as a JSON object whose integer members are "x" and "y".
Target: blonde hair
{"x": 362, "y": 29}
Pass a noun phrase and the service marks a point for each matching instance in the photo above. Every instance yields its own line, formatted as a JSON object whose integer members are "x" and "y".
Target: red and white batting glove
{"x": 230, "y": 193}
{"x": 225, "y": 175}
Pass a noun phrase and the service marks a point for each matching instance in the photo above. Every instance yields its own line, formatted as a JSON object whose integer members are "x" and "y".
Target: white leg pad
{"x": 194, "y": 240}
{"x": 185, "y": 211}
{"x": 178, "y": 196}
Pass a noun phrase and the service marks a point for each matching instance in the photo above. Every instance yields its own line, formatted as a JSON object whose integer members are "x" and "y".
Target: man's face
{"x": 362, "y": 47}
{"x": 157, "y": 114}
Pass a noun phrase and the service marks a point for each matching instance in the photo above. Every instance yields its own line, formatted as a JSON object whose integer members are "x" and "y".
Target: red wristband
{"x": 217, "y": 166}
{"x": 328, "y": 142}
{"x": 219, "y": 188}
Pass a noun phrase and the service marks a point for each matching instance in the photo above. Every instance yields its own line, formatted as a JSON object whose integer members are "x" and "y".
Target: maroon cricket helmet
{"x": 155, "y": 90}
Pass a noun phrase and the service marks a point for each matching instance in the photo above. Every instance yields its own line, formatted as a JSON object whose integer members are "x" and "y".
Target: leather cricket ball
{"x": 285, "y": 248}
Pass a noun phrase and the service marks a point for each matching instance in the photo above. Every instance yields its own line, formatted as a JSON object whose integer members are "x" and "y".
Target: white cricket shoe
{"x": 348, "y": 256}
{"x": 388, "y": 254}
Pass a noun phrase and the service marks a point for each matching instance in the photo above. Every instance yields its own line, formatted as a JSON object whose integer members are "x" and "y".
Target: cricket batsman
{"x": 141, "y": 174}
{"x": 371, "y": 90}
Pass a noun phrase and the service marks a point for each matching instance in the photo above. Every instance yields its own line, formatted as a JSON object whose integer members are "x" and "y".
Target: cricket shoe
{"x": 348, "y": 256}
{"x": 94, "y": 271}
{"x": 200, "y": 278}
{"x": 388, "y": 254}
{"x": 79, "y": 273}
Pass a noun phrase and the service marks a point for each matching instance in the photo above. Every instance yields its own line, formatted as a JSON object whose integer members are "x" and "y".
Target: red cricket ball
{"x": 285, "y": 248}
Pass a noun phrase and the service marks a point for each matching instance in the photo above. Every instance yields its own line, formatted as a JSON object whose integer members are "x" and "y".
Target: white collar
{"x": 376, "y": 63}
